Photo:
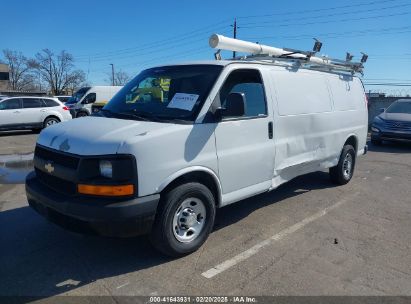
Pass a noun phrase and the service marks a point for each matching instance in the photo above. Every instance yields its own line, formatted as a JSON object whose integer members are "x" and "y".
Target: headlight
{"x": 378, "y": 120}
{"x": 106, "y": 168}
{"x": 374, "y": 129}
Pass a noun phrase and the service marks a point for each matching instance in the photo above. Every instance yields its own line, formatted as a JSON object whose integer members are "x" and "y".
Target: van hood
{"x": 95, "y": 135}
{"x": 396, "y": 116}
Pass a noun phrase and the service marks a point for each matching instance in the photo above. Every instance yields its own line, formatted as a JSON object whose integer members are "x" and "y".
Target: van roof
{"x": 226, "y": 62}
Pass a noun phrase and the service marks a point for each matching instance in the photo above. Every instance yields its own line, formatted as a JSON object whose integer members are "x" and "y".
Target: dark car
{"x": 394, "y": 123}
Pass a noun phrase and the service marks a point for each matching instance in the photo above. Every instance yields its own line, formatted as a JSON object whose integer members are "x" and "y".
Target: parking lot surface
{"x": 309, "y": 237}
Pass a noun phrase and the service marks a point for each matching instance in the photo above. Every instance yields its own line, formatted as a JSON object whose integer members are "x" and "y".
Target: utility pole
{"x": 234, "y": 32}
{"x": 112, "y": 74}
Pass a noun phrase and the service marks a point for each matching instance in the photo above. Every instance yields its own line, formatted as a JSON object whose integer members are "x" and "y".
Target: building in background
{"x": 4, "y": 77}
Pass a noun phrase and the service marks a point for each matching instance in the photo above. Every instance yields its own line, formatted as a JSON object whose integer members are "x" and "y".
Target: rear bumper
{"x": 93, "y": 215}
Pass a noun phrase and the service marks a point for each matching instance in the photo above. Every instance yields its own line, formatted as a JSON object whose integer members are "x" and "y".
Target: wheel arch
{"x": 200, "y": 174}
{"x": 352, "y": 140}
{"x": 51, "y": 116}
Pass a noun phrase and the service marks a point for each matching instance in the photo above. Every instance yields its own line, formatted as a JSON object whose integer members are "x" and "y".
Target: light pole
{"x": 112, "y": 74}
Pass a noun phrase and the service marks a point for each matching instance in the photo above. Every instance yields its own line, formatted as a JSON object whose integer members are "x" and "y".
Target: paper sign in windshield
{"x": 183, "y": 101}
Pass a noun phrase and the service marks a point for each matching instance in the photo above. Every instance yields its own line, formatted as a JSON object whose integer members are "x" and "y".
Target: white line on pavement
{"x": 276, "y": 237}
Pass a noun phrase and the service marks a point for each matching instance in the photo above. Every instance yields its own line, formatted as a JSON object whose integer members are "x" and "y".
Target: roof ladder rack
{"x": 260, "y": 52}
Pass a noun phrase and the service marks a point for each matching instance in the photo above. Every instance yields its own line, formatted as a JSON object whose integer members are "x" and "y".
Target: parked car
{"x": 63, "y": 98}
{"x": 31, "y": 112}
{"x": 393, "y": 124}
{"x": 81, "y": 101}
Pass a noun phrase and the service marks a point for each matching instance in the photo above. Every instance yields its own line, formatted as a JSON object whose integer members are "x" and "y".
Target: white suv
{"x": 31, "y": 112}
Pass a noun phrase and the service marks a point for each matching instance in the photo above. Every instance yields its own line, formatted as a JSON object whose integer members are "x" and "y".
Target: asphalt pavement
{"x": 309, "y": 237}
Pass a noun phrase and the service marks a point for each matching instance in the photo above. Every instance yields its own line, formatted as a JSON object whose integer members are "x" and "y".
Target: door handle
{"x": 17, "y": 111}
{"x": 43, "y": 110}
{"x": 270, "y": 130}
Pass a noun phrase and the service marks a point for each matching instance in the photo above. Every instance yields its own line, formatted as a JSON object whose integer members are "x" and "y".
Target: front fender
{"x": 192, "y": 169}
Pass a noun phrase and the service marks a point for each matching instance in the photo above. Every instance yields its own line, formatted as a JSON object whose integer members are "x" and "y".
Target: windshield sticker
{"x": 183, "y": 101}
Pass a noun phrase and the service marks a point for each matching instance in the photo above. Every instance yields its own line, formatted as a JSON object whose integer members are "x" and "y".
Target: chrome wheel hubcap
{"x": 51, "y": 122}
{"x": 189, "y": 220}
{"x": 347, "y": 166}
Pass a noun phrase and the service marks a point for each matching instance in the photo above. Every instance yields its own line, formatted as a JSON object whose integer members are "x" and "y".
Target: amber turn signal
{"x": 120, "y": 190}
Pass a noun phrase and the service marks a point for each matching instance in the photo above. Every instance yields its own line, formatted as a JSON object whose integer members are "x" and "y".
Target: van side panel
{"x": 309, "y": 132}
{"x": 350, "y": 104}
{"x": 304, "y": 112}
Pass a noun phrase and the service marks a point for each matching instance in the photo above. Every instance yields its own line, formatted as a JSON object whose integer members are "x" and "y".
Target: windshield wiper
{"x": 141, "y": 115}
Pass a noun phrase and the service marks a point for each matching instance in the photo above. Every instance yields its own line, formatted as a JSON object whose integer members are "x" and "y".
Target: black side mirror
{"x": 382, "y": 110}
{"x": 235, "y": 105}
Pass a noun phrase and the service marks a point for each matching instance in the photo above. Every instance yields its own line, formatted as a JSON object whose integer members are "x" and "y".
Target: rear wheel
{"x": 343, "y": 172}
{"x": 184, "y": 219}
{"x": 50, "y": 121}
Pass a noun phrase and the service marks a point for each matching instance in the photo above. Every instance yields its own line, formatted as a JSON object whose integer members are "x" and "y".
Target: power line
{"x": 320, "y": 35}
{"x": 331, "y": 21}
{"x": 315, "y": 10}
{"x": 388, "y": 84}
{"x": 176, "y": 38}
{"x": 328, "y": 15}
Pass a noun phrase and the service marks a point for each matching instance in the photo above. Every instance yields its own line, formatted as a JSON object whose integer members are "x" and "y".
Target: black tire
{"x": 81, "y": 114}
{"x": 376, "y": 142}
{"x": 50, "y": 121}
{"x": 339, "y": 174}
{"x": 163, "y": 236}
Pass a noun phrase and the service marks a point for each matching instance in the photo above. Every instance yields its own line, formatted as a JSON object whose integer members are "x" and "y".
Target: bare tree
{"x": 20, "y": 68}
{"x": 120, "y": 78}
{"x": 58, "y": 71}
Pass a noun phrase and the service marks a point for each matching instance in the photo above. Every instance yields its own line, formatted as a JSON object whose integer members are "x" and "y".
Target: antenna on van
{"x": 278, "y": 56}
{"x": 364, "y": 57}
{"x": 317, "y": 45}
{"x": 348, "y": 57}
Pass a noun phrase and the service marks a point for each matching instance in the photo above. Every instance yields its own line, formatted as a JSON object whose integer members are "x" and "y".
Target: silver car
{"x": 31, "y": 112}
{"x": 394, "y": 123}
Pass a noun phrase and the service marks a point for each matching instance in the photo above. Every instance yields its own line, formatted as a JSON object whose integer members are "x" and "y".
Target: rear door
{"x": 34, "y": 111}
{"x": 10, "y": 112}
{"x": 245, "y": 147}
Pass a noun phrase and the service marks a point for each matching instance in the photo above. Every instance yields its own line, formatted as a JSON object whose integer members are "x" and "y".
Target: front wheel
{"x": 81, "y": 114}
{"x": 343, "y": 172}
{"x": 184, "y": 219}
{"x": 375, "y": 141}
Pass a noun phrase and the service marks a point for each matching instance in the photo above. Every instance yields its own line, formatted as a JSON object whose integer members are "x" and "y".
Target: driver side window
{"x": 249, "y": 83}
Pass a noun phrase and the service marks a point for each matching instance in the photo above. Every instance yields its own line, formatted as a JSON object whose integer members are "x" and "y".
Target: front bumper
{"x": 95, "y": 215}
{"x": 389, "y": 135}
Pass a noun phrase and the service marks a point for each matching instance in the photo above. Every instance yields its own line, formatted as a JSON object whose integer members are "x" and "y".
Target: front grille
{"x": 403, "y": 126}
{"x": 65, "y": 160}
{"x": 56, "y": 183}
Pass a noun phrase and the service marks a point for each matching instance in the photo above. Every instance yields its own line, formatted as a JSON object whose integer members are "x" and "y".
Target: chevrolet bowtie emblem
{"x": 49, "y": 167}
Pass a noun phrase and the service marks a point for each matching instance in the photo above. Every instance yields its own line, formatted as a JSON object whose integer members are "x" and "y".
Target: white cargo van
{"x": 219, "y": 132}
{"x": 81, "y": 101}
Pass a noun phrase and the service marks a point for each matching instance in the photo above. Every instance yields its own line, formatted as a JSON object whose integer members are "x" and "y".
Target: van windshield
{"x": 78, "y": 95}
{"x": 168, "y": 93}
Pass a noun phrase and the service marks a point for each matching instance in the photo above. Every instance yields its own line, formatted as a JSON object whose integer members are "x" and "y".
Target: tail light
{"x": 366, "y": 101}
{"x": 65, "y": 108}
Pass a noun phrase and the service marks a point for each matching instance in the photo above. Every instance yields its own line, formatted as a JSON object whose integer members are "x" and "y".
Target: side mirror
{"x": 382, "y": 110}
{"x": 235, "y": 105}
